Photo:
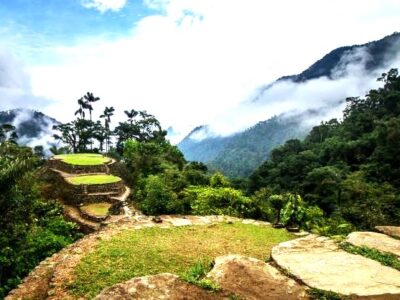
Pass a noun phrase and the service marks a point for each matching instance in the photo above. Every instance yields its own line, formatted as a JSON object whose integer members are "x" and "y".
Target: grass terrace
{"x": 93, "y": 179}
{"x": 83, "y": 159}
{"x": 156, "y": 250}
{"x": 97, "y": 209}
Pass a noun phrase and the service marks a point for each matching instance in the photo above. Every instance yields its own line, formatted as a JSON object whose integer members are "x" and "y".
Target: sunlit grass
{"x": 93, "y": 179}
{"x": 83, "y": 159}
{"x": 96, "y": 209}
{"x": 155, "y": 250}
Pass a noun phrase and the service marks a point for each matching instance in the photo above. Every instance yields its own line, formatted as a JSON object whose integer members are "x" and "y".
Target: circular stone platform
{"x": 83, "y": 159}
{"x": 93, "y": 179}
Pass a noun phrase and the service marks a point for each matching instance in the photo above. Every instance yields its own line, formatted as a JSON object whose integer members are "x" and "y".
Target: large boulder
{"x": 253, "y": 279}
{"x": 393, "y": 231}
{"x": 161, "y": 286}
{"x": 320, "y": 263}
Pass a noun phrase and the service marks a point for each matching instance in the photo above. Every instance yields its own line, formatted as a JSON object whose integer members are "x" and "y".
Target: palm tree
{"x": 108, "y": 112}
{"x": 131, "y": 114}
{"x": 89, "y": 100}
{"x": 82, "y": 107}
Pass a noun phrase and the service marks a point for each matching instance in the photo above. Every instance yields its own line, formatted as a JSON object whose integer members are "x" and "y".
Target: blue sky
{"x": 188, "y": 62}
{"x": 31, "y": 25}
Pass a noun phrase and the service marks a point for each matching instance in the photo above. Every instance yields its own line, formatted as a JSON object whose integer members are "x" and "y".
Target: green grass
{"x": 318, "y": 294}
{"x": 83, "y": 159}
{"x": 93, "y": 179}
{"x": 96, "y": 209}
{"x": 176, "y": 250}
{"x": 385, "y": 259}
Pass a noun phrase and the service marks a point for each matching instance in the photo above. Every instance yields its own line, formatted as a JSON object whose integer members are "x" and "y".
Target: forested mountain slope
{"x": 238, "y": 154}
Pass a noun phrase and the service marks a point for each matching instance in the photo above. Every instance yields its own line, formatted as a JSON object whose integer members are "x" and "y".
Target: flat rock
{"x": 319, "y": 263}
{"x": 253, "y": 279}
{"x": 177, "y": 222}
{"x": 393, "y": 231}
{"x": 161, "y": 286}
{"x": 374, "y": 240}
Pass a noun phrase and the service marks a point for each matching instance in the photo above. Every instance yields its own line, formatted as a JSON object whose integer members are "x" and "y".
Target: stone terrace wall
{"x": 76, "y": 169}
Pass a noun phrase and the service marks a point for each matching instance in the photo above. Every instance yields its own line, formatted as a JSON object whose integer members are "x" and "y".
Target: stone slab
{"x": 253, "y": 279}
{"x": 374, "y": 240}
{"x": 161, "y": 286}
{"x": 393, "y": 231}
{"x": 320, "y": 263}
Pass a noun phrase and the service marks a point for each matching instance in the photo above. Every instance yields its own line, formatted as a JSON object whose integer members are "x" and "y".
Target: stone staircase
{"x": 77, "y": 199}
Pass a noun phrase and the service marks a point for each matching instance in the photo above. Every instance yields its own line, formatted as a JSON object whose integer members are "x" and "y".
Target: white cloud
{"x": 104, "y": 5}
{"x": 15, "y": 85}
{"x": 197, "y": 60}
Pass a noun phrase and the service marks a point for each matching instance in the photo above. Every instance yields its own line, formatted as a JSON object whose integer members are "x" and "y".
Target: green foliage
{"x": 31, "y": 228}
{"x": 219, "y": 180}
{"x": 277, "y": 202}
{"x": 156, "y": 196}
{"x": 196, "y": 274}
{"x": 349, "y": 169}
{"x": 318, "y": 294}
{"x": 293, "y": 212}
{"x": 219, "y": 201}
{"x": 385, "y": 259}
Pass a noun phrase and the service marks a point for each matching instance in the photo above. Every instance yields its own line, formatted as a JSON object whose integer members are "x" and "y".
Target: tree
{"x": 81, "y": 109}
{"x": 89, "y": 100}
{"x": 8, "y": 132}
{"x": 277, "y": 202}
{"x": 141, "y": 127}
{"x": 107, "y": 114}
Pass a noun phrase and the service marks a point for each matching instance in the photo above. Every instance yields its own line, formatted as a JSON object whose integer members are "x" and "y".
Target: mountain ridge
{"x": 221, "y": 153}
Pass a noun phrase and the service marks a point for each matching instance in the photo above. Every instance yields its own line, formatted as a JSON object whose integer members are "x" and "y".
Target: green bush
{"x": 219, "y": 201}
{"x": 157, "y": 196}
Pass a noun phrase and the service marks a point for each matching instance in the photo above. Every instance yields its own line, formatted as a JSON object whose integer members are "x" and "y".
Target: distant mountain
{"x": 33, "y": 127}
{"x": 239, "y": 154}
{"x": 379, "y": 53}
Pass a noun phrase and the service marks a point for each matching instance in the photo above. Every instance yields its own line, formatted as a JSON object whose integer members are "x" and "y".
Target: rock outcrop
{"x": 374, "y": 240}
{"x": 393, "y": 231}
{"x": 320, "y": 263}
{"x": 161, "y": 286}
{"x": 252, "y": 279}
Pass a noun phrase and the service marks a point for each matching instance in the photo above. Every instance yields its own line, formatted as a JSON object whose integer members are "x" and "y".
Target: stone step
{"x": 393, "y": 231}
{"x": 374, "y": 240}
{"x": 160, "y": 286}
{"x": 319, "y": 263}
{"x": 250, "y": 278}
{"x": 74, "y": 215}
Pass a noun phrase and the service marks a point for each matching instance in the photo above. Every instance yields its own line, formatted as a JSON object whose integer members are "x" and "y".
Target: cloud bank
{"x": 324, "y": 96}
{"x": 194, "y": 62}
{"x": 15, "y": 85}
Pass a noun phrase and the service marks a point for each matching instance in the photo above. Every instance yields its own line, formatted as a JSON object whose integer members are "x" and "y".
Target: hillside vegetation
{"x": 349, "y": 169}
{"x": 345, "y": 175}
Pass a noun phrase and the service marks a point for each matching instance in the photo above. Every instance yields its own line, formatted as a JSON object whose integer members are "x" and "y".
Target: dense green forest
{"x": 349, "y": 169}
{"x": 343, "y": 175}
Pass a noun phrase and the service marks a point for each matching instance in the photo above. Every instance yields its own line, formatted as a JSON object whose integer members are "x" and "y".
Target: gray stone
{"x": 319, "y": 263}
{"x": 161, "y": 286}
{"x": 374, "y": 240}
{"x": 254, "y": 279}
